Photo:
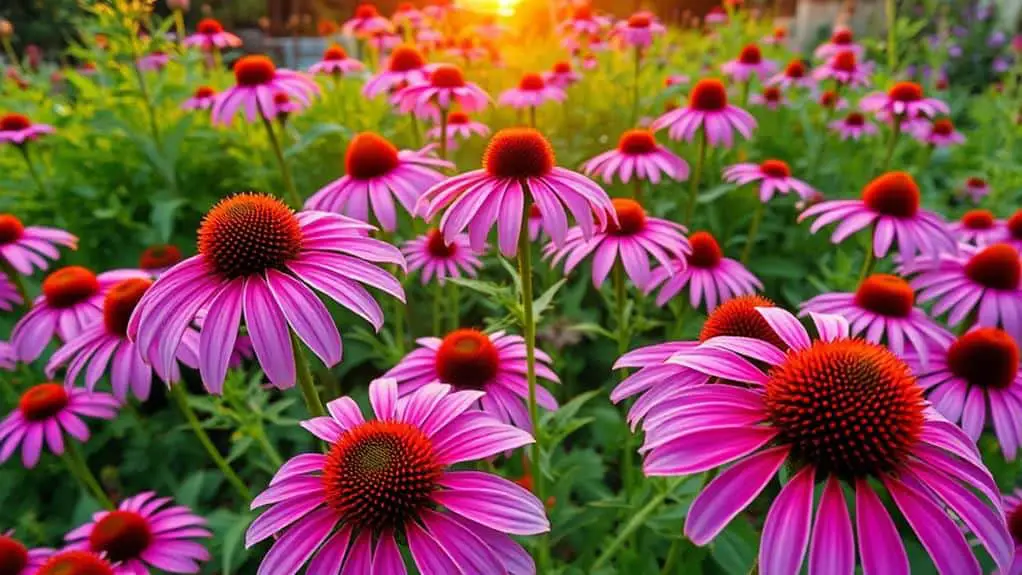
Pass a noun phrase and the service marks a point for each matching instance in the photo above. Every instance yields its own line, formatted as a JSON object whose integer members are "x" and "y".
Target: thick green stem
{"x": 892, "y": 144}
{"x": 443, "y": 134}
{"x": 33, "y": 171}
{"x": 80, "y": 469}
{"x": 673, "y": 554}
{"x": 745, "y": 92}
{"x": 305, "y": 383}
{"x": 693, "y": 190}
{"x": 637, "y": 521}
{"x": 180, "y": 395}
{"x": 532, "y": 117}
{"x": 869, "y": 261}
{"x": 416, "y": 132}
{"x": 750, "y": 238}
{"x": 455, "y": 304}
{"x": 891, "y": 13}
{"x": 271, "y": 452}
{"x": 9, "y": 50}
{"x": 289, "y": 185}
{"x": 620, "y": 320}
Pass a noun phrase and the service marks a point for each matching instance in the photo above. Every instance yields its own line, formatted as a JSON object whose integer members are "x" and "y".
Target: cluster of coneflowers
{"x": 878, "y": 406}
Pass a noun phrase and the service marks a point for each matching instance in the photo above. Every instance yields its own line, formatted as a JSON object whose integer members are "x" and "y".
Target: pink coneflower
{"x": 336, "y": 62}
{"x": 633, "y": 240}
{"x": 985, "y": 282}
{"x": 45, "y": 412}
{"x": 968, "y": 376}
{"x": 468, "y": 50}
{"x": 639, "y": 30}
{"x": 445, "y": 87}
{"x": 831, "y": 100}
{"x": 813, "y": 410}
{"x": 143, "y": 533}
{"x": 71, "y": 301}
{"x": 71, "y": 562}
{"x": 845, "y": 69}
{"x": 383, "y": 41}
{"x": 535, "y": 223}
{"x": 518, "y": 165}
{"x": 17, "y": 129}
{"x": 771, "y": 98}
{"x": 439, "y": 10}
{"x": 941, "y": 133}
{"x": 459, "y": 125}
{"x": 406, "y": 64}
{"x": 1013, "y": 231}
{"x": 256, "y": 82}
{"x": 209, "y": 34}
{"x": 883, "y": 309}
{"x": 774, "y": 177}
{"x": 159, "y": 258}
{"x": 749, "y": 63}
{"x": 365, "y": 22}
{"x": 778, "y": 37}
{"x": 203, "y": 99}
{"x": 428, "y": 38}
{"x": 257, "y": 260}
{"x": 890, "y": 204}
{"x": 407, "y": 14}
{"x": 326, "y": 501}
{"x": 430, "y": 255}
{"x": 584, "y": 22}
{"x": 978, "y": 227}
{"x": 637, "y": 152}
{"x": 708, "y": 109}
{"x": 840, "y": 41}
{"x": 794, "y": 74}
{"x": 853, "y": 126}
{"x": 375, "y": 173}
{"x": 153, "y": 62}
{"x": 716, "y": 15}
{"x": 532, "y": 91}
{"x": 904, "y": 101}
{"x": 16, "y": 559}
{"x": 26, "y": 249}
{"x": 562, "y": 75}
{"x": 284, "y": 106}
{"x": 976, "y": 189}
{"x": 709, "y": 276}
{"x": 9, "y": 296}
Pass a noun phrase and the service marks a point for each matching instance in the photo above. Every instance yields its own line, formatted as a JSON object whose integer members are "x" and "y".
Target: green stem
{"x": 455, "y": 306}
{"x": 33, "y": 171}
{"x": 144, "y": 92}
{"x": 673, "y": 554}
{"x": 532, "y": 117}
{"x": 621, "y": 305}
{"x": 443, "y": 134}
{"x": 180, "y": 396}
{"x": 637, "y": 190}
{"x": 693, "y": 190}
{"x": 892, "y": 15}
{"x": 305, "y": 383}
{"x": 179, "y": 29}
{"x": 892, "y": 144}
{"x": 635, "y": 86}
{"x": 285, "y": 172}
{"x": 271, "y": 452}
{"x": 80, "y": 469}
{"x": 869, "y": 261}
{"x": 750, "y": 238}
{"x": 15, "y": 278}
{"x": 416, "y": 133}
{"x": 9, "y": 49}
{"x": 637, "y": 521}
{"x": 745, "y": 92}
{"x": 438, "y": 296}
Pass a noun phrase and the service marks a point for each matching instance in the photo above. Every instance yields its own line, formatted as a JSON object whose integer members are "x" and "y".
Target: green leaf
{"x": 188, "y": 493}
{"x": 735, "y": 549}
{"x": 232, "y": 544}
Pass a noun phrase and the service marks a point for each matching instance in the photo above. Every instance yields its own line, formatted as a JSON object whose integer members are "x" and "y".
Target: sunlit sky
{"x": 499, "y": 7}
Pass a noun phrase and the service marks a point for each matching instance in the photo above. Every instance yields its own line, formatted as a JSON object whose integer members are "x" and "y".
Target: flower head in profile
{"x": 210, "y": 35}
{"x": 376, "y": 172}
{"x": 709, "y": 276}
{"x": 366, "y": 22}
{"x": 257, "y": 263}
{"x": 153, "y": 62}
{"x": 445, "y": 87}
{"x": 202, "y": 99}
{"x": 459, "y": 125}
{"x": 978, "y": 227}
{"x": 976, "y": 189}
{"x": 841, "y": 40}
{"x": 778, "y": 37}
{"x": 406, "y": 14}
{"x": 715, "y": 16}
{"x": 430, "y": 255}
{"x": 406, "y": 64}
{"x": 832, "y": 100}
{"x": 583, "y": 22}
{"x": 891, "y": 205}
{"x": 637, "y": 153}
{"x": 814, "y": 409}
{"x": 17, "y": 559}
{"x": 9, "y": 296}
{"x": 26, "y": 248}
{"x": 518, "y": 170}
{"x": 940, "y": 133}
{"x": 845, "y": 68}
{"x": 336, "y": 62}
{"x": 853, "y": 126}
{"x": 771, "y": 98}
{"x": 561, "y": 75}
{"x": 1013, "y": 230}
{"x": 44, "y": 413}
{"x": 749, "y": 63}
{"x": 532, "y": 91}
{"x": 774, "y": 176}
{"x": 76, "y": 562}
{"x": 904, "y": 101}
{"x": 639, "y": 30}
{"x": 17, "y": 129}
{"x": 159, "y": 258}
{"x": 257, "y": 82}
{"x": 708, "y": 109}
{"x": 794, "y": 74}
{"x": 389, "y": 479}
{"x": 468, "y": 49}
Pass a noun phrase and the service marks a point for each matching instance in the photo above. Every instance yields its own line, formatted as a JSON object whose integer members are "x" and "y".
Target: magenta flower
{"x": 518, "y": 162}
{"x": 882, "y": 310}
{"x": 257, "y": 260}
{"x": 853, "y": 126}
{"x": 774, "y": 177}
{"x": 203, "y": 99}
{"x": 26, "y": 249}
{"x": 9, "y": 296}
{"x": 940, "y": 134}
{"x": 535, "y": 223}
{"x": 153, "y": 62}
{"x": 407, "y": 14}
{"x": 584, "y": 23}
{"x": 143, "y": 533}
{"x": 459, "y": 125}
{"x": 633, "y": 239}
{"x": 532, "y": 91}
{"x": 979, "y": 228}
{"x": 813, "y": 409}
{"x": 637, "y": 152}
{"x": 1013, "y": 230}
{"x": 976, "y": 189}
{"x": 405, "y": 66}
{"x": 366, "y": 22}
{"x": 831, "y": 100}
{"x": 353, "y": 510}
{"x": 17, "y": 129}
{"x": 18, "y": 559}
{"x": 904, "y": 101}
{"x": 467, "y": 50}
{"x": 639, "y": 30}
{"x": 374, "y": 172}
{"x": 336, "y": 62}
{"x": 976, "y": 374}
{"x": 445, "y": 87}
{"x": 257, "y": 80}
{"x": 771, "y": 98}
{"x": 715, "y": 16}
{"x": 45, "y": 412}
{"x": 706, "y": 272}
{"x": 432, "y": 256}
{"x": 8, "y": 360}
{"x": 562, "y": 75}
{"x": 845, "y": 69}
{"x": 890, "y": 203}
{"x": 840, "y": 41}
{"x": 383, "y": 41}
{"x": 210, "y": 34}
{"x": 794, "y": 74}
{"x": 984, "y": 282}
{"x": 749, "y": 63}
{"x": 708, "y": 109}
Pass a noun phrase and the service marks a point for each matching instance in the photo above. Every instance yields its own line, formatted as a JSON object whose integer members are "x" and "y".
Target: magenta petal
{"x": 467, "y": 550}
{"x": 331, "y": 555}
{"x": 306, "y": 315}
{"x": 360, "y": 557}
{"x": 298, "y": 544}
{"x": 219, "y": 333}
{"x": 383, "y": 397}
{"x": 492, "y": 501}
{"x": 387, "y": 559}
{"x": 833, "y": 549}
{"x": 698, "y": 451}
{"x": 428, "y": 555}
{"x": 879, "y": 541}
{"x": 269, "y": 333}
{"x": 786, "y": 531}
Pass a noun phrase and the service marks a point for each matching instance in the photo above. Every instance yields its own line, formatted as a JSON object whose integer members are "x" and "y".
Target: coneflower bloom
{"x": 468, "y": 50}
{"x": 366, "y": 21}
{"x": 984, "y": 282}
{"x": 904, "y": 101}
{"x": 26, "y": 249}
{"x": 17, "y": 559}
{"x": 376, "y": 172}
{"x": 976, "y": 189}
{"x": 973, "y": 375}
{"x": 257, "y": 260}
{"x": 633, "y": 240}
{"x": 708, "y": 109}
{"x": 202, "y": 99}
{"x": 881, "y": 310}
{"x": 709, "y": 276}
{"x": 210, "y": 34}
{"x": 9, "y": 296}
{"x": 459, "y": 125}
{"x": 637, "y": 153}
{"x": 44, "y": 413}
{"x": 941, "y": 133}
{"x": 406, "y": 65}
{"x": 716, "y": 15}
{"x": 352, "y": 508}
{"x": 845, "y": 69}
{"x": 17, "y": 129}
{"x": 145, "y": 531}
{"x": 562, "y": 75}
{"x": 774, "y": 177}
{"x": 439, "y": 10}
{"x": 153, "y": 62}
{"x": 794, "y": 74}
{"x": 518, "y": 168}
{"x": 445, "y": 87}
{"x": 639, "y": 30}
{"x": 535, "y": 223}
{"x": 159, "y": 258}
{"x": 771, "y": 98}
{"x": 853, "y": 126}
{"x": 256, "y": 82}
{"x": 584, "y": 22}
{"x": 284, "y": 106}
{"x": 531, "y": 91}
{"x": 383, "y": 41}
{"x": 978, "y": 227}
{"x": 831, "y": 100}
{"x": 841, "y": 40}
{"x": 890, "y": 204}
{"x": 73, "y": 562}
{"x": 430, "y": 255}
{"x": 336, "y": 62}
{"x": 1013, "y": 230}
{"x": 750, "y": 62}
{"x": 407, "y": 14}
{"x": 777, "y": 37}
{"x": 813, "y": 410}
{"x": 71, "y": 301}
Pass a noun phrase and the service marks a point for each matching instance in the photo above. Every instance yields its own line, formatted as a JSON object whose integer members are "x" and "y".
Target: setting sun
{"x": 504, "y": 8}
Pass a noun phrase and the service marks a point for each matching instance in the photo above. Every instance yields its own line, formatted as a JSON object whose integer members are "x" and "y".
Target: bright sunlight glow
{"x": 504, "y": 8}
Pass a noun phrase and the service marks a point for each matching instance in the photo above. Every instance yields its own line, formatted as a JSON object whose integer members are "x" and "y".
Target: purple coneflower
{"x": 153, "y": 62}
{"x": 366, "y": 22}
{"x": 1013, "y": 230}
{"x": 26, "y": 249}
{"x": 343, "y": 511}
{"x": 459, "y": 125}
{"x": 210, "y": 34}
{"x": 256, "y": 82}
{"x": 716, "y": 15}
{"x": 639, "y": 30}
{"x": 978, "y": 227}
{"x": 831, "y": 100}
{"x": 159, "y": 258}
{"x": 561, "y": 75}
{"x": 406, "y": 65}
{"x": 433, "y": 257}
{"x": 9, "y": 296}
{"x": 708, "y": 109}
{"x": 771, "y": 98}
{"x": 535, "y": 223}
{"x": 336, "y": 63}
{"x": 853, "y": 126}
{"x": 750, "y": 63}
{"x": 904, "y": 101}
{"x": 375, "y": 173}
{"x": 941, "y": 133}
{"x": 257, "y": 260}
{"x": 202, "y": 99}
{"x": 531, "y": 91}
{"x": 845, "y": 69}
{"x": 445, "y": 87}
{"x": 72, "y": 562}
{"x": 406, "y": 14}
{"x": 16, "y": 559}
{"x": 976, "y": 189}
{"x": 778, "y": 37}
{"x": 17, "y": 129}
{"x": 774, "y": 177}
{"x": 841, "y": 40}
{"x": 794, "y": 74}
{"x": 709, "y": 276}
{"x": 584, "y": 22}
{"x": 637, "y": 153}
{"x": 8, "y": 361}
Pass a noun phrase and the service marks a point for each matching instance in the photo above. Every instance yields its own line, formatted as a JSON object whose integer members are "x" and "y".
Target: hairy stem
{"x": 180, "y": 395}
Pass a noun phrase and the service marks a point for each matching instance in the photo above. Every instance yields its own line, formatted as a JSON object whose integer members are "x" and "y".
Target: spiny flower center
{"x": 159, "y": 257}
{"x": 11, "y": 229}
{"x": 842, "y": 37}
{"x": 43, "y": 401}
{"x": 380, "y": 474}
{"x": 772, "y": 94}
{"x": 437, "y": 247}
{"x": 906, "y": 92}
{"x": 335, "y": 54}
{"x": 281, "y": 98}
{"x": 855, "y": 119}
{"x": 122, "y": 535}
{"x": 708, "y": 95}
{"x": 531, "y": 83}
{"x": 467, "y": 359}
{"x": 978, "y": 219}
{"x": 254, "y": 70}
{"x": 637, "y": 142}
{"x": 631, "y": 218}
{"x": 844, "y": 61}
{"x": 14, "y": 122}
{"x": 640, "y": 20}
{"x": 986, "y": 357}
{"x": 739, "y": 317}
{"x": 13, "y": 556}
{"x": 76, "y": 563}
{"x": 795, "y": 69}
{"x": 750, "y": 55}
{"x": 942, "y": 127}
{"x": 69, "y": 286}
{"x": 370, "y": 156}
{"x": 209, "y": 27}
{"x": 120, "y": 301}
{"x": 706, "y": 252}
{"x": 247, "y": 234}
{"x": 847, "y": 407}
{"x": 562, "y": 68}
{"x": 886, "y": 295}
{"x": 1015, "y": 225}
{"x": 518, "y": 153}
{"x": 892, "y": 194}
{"x": 457, "y": 118}
{"x": 204, "y": 92}
{"x": 775, "y": 169}
{"x": 447, "y": 76}
{"x": 828, "y": 99}
{"x": 995, "y": 267}
{"x": 406, "y": 58}
{"x": 366, "y": 11}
